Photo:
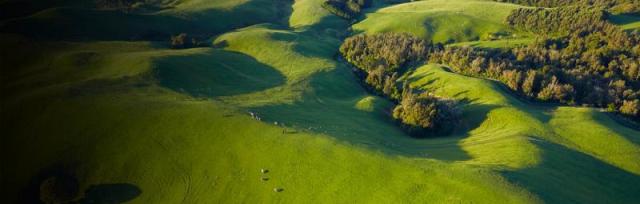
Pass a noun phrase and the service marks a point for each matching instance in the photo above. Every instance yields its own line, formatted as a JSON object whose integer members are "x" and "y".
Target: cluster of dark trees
{"x": 183, "y": 41}
{"x": 379, "y": 60}
{"x": 578, "y": 59}
{"x": 347, "y": 9}
{"x": 616, "y": 6}
{"x": 380, "y": 57}
{"x": 423, "y": 114}
{"x": 559, "y": 21}
{"x": 117, "y": 4}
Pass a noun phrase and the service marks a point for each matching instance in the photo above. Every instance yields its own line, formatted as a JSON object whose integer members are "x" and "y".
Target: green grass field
{"x": 176, "y": 123}
{"x": 440, "y": 20}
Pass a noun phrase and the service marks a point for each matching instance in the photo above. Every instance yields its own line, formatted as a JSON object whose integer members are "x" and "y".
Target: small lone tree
{"x": 181, "y": 41}
{"x": 424, "y": 114}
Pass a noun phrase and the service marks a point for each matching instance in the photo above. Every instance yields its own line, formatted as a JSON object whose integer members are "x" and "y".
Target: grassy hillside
{"x": 440, "y": 20}
{"x": 310, "y": 13}
{"x": 543, "y": 146}
{"x": 196, "y": 17}
{"x": 137, "y": 130}
{"x": 176, "y": 125}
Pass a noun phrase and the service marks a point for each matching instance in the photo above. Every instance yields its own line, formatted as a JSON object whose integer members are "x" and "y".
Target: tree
{"x": 425, "y": 114}
{"x": 513, "y": 79}
{"x": 375, "y": 78}
{"x": 181, "y": 41}
{"x": 631, "y": 108}
{"x": 390, "y": 89}
{"x": 529, "y": 84}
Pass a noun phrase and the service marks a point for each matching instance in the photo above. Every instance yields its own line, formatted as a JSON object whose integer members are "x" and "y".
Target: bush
{"x": 630, "y": 108}
{"x": 424, "y": 114}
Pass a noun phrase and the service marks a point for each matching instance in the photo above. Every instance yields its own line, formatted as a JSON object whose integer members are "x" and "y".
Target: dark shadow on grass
{"x": 85, "y": 23}
{"x": 567, "y": 176}
{"x": 110, "y": 193}
{"x": 622, "y": 19}
{"x": 321, "y": 39}
{"x": 218, "y": 73}
{"x": 58, "y": 184}
{"x": 619, "y": 125}
{"x": 327, "y": 107}
{"x": 65, "y": 184}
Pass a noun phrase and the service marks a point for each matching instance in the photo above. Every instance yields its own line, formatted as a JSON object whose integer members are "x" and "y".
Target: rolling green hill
{"x": 176, "y": 123}
{"x": 440, "y": 20}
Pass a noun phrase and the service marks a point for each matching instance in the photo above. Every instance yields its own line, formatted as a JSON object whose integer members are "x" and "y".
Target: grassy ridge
{"x": 541, "y": 145}
{"x": 209, "y": 151}
{"x": 440, "y": 20}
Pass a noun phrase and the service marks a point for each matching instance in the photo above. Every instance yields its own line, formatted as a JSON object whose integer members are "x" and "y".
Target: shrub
{"x": 424, "y": 114}
{"x": 630, "y": 108}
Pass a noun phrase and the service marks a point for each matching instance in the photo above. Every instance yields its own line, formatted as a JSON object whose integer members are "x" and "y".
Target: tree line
{"x": 588, "y": 62}
{"x": 578, "y": 59}
{"x": 615, "y": 6}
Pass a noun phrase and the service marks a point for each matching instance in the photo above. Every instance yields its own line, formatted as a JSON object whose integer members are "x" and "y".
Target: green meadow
{"x": 440, "y": 20}
{"x": 84, "y": 91}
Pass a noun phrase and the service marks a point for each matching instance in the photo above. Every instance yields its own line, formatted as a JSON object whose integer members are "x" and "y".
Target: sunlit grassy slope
{"x": 110, "y": 128}
{"x": 440, "y": 20}
{"x": 547, "y": 145}
{"x": 176, "y": 124}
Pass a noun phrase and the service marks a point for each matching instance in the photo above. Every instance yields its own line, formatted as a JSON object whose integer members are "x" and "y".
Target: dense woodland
{"x": 380, "y": 57}
{"x": 616, "y": 6}
{"x": 578, "y": 59}
{"x": 379, "y": 60}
